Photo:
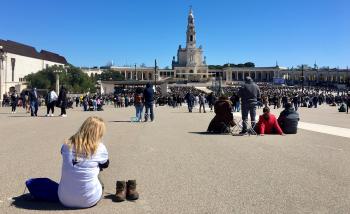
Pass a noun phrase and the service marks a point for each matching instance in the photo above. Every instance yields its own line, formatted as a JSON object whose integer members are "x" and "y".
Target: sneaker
{"x": 63, "y": 115}
{"x": 131, "y": 193}
{"x": 48, "y": 115}
{"x": 243, "y": 133}
{"x": 52, "y": 115}
{"x": 120, "y": 193}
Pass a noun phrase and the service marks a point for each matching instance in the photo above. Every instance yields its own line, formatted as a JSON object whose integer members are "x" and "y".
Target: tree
{"x": 73, "y": 78}
{"x": 249, "y": 64}
{"x": 305, "y": 66}
{"x": 110, "y": 75}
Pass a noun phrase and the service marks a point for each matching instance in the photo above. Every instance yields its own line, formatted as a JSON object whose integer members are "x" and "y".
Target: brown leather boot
{"x": 131, "y": 193}
{"x": 120, "y": 191}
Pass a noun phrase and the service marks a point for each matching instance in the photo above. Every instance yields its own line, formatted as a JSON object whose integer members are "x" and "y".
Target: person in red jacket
{"x": 268, "y": 124}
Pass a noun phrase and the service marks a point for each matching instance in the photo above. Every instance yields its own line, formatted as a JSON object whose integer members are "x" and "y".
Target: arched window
{"x": 191, "y": 38}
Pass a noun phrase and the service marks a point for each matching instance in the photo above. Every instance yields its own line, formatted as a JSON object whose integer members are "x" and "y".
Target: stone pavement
{"x": 180, "y": 169}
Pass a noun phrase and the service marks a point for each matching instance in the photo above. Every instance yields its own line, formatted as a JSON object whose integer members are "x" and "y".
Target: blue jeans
{"x": 33, "y": 108}
{"x": 190, "y": 106}
{"x": 139, "y": 109}
{"x": 248, "y": 109}
{"x": 149, "y": 111}
{"x": 238, "y": 105}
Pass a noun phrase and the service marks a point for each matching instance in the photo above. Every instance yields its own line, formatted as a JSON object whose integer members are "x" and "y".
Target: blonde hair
{"x": 85, "y": 142}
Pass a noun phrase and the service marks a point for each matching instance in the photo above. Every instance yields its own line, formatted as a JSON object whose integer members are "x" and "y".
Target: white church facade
{"x": 18, "y": 60}
{"x": 189, "y": 65}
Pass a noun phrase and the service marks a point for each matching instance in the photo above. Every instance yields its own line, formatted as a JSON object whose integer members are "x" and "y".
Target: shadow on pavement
{"x": 120, "y": 121}
{"x": 26, "y": 202}
{"x": 209, "y": 133}
{"x": 110, "y": 196}
{"x": 25, "y": 116}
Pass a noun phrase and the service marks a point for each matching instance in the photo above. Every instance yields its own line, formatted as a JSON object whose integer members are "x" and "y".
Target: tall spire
{"x": 191, "y": 33}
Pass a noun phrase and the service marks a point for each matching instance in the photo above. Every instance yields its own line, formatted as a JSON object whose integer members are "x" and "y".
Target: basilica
{"x": 190, "y": 65}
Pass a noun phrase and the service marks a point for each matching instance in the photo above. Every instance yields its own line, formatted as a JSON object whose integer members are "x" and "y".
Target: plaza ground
{"x": 179, "y": 169}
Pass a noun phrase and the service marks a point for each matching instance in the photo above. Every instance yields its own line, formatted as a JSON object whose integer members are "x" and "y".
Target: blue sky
{"x": 93, "y": 32}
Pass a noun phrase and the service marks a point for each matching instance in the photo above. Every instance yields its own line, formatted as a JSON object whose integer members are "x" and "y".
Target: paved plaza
{"x": 180, "y": 169}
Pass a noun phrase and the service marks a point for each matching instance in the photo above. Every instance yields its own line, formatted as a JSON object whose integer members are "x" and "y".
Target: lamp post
{"x": 135, "y": 72}
{"x": 2, "y": 59}
{"x": 155, "y": 75}
{"x": 302, "y": 78}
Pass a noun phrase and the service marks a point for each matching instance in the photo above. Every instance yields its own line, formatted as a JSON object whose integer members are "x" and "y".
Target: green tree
{"x": 110, "y": 75}
{"x": 73, "y": 78}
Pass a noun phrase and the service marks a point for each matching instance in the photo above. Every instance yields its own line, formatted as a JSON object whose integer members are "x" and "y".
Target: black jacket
{"x": 288, "y": 121}
{"x": 62, "y": 98}
{"x": 249, "y": 92}
{"x": 148, "y": 94}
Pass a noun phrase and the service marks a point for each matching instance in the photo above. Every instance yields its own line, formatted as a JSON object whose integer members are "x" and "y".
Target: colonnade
{"x": 259, "y": 76}
{"x": 137, "y": 75}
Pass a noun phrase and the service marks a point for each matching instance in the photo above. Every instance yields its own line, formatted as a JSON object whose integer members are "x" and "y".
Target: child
{"x": 83, "y": 156}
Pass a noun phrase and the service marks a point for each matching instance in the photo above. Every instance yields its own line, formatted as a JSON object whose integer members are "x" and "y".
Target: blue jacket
{"x": 148, "y": 94}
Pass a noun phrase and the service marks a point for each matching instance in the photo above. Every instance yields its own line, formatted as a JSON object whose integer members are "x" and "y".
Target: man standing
{"x": 51, "y": 102}
{"x": 201, "y": 103}
{"x": 348, "y": 103}
{"x": 33, "y": 98}
{"x": 14, "y": 102}
{"x": 190, "y": 101}
{"x": 249, "y": 94}
{"x": 295, "y": 102}
{"x": 211, "y": 100}
{"x": 62, "y": 101}
{"x": 148, "y": 96}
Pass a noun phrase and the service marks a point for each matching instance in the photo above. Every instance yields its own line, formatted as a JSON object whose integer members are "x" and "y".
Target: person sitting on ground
{"x": 84, "y": 156}
{"x": 342, "y": 108}
{"x": 288, "y": 119}
{"x": 223, "y": 116}
{"x": 268, "y": 124}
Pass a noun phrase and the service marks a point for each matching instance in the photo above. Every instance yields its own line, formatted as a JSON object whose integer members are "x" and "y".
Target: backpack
{"x": 138, "y": 99}
{"x": 43, "y": 189}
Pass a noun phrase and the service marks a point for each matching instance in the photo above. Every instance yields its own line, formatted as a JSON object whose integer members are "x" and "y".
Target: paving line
{"x": 320, "y": 128}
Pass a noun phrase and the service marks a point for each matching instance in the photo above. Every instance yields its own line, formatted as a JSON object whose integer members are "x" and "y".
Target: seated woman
{"x": 268, "y": 124}
{"x": 342, "y": 108}
{"x": 223, "y": 119}
{"x": 289, "y": 119}
{"x": 84, "y": 155}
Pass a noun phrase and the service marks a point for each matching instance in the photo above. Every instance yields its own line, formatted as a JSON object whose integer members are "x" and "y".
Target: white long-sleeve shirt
{"x": 53, "y": 96}
{"x": 79, "y": 186}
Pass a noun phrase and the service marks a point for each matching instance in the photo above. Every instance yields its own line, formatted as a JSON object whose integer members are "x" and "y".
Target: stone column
{"x": 125, "y": 76}
{"x": 256, "y": 77}
{"x": 57, "y": 83}
{"x": 2, "y": 86}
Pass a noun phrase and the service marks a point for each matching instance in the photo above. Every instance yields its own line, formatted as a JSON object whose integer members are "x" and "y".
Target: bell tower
{"x": 191, "y": 32}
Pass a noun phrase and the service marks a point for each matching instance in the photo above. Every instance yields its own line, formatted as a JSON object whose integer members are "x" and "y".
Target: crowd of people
{"x": 86, "y": 149}
{"x": 32, "y": 99}
{"x": 274, "y": 97}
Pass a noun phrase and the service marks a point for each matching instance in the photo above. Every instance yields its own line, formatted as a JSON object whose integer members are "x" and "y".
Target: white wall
{"x": 23, "y": 66}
